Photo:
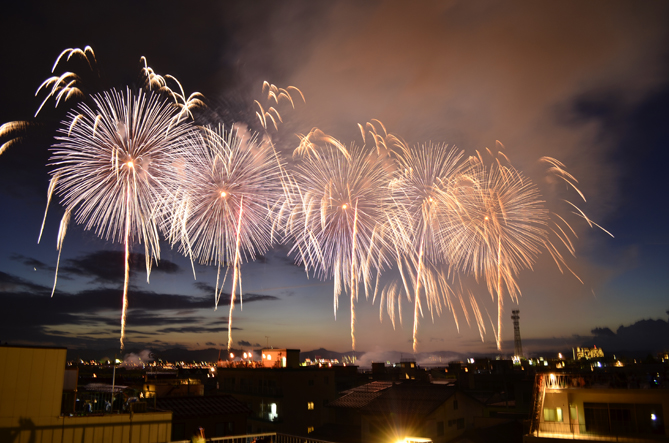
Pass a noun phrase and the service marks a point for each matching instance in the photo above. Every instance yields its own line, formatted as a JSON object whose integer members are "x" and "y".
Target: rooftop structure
{"x": 32, "y": 385}
{"x": 518, "y": 345}
{"x": 588, "y": 353}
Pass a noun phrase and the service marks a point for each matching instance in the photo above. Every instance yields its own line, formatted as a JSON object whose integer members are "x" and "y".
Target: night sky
{"x": 584, "y": 82}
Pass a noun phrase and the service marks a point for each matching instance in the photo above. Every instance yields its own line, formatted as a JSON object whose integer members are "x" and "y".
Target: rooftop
{"x": 192, "y": 407}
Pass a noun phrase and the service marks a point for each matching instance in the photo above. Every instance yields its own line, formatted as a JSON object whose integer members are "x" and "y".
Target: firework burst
{"x": 420, "y": 190}
{"x": 113, "y": 169}
{"x": 497, "y": 227}
{"x": 336, "y": 222}
{"x": 225, "y": 207}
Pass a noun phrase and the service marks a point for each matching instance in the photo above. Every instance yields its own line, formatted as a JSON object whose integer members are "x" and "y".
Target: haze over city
{"x": 583, "y": 83}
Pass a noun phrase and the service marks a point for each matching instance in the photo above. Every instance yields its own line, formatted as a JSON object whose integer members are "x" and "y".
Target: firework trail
{"x": 114, "y": 168}
{"x": 225, "y": 207}
{"x": 335, "y": 222}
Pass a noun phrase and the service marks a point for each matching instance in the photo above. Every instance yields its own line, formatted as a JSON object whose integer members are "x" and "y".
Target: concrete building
{"x": 598, "y": 407}
{"x": 218, "y": 415}
{"x": 285, "y": 400}
{"x": 31, "y": 394}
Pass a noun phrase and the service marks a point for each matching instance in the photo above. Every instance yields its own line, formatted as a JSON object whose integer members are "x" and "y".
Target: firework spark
{"x": 68, "y": 84}
{"x": 114, "y": 163}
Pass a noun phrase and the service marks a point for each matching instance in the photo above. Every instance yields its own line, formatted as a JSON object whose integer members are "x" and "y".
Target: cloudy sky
{"x": 584, "y": 82}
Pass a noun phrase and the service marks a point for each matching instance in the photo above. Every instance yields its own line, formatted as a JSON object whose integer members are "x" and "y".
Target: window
{"x": 273, "y": 415}
{"x": 310, "y": 429}
{"x": 223, "y": 429}
{"x": 551, "y": 414}
{"x": 326, "y": 380}
{"x": 460, "y": 423}
{"x": 455, "y": 404}
{"x": 440, "y": 428}
{"x": 311, "y": 382}
{"x": 310, "y": 405}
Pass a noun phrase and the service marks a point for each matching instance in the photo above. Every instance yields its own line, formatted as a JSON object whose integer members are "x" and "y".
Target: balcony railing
{"x": 602, "y": 381}
{"x": 98, "y": 403}
{"x": 270, "y": 437}
{"x": 592, "y": 432}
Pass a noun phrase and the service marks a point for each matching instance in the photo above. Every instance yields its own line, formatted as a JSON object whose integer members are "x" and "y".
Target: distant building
{"x": 588, "y": 353}
{"x": 178, "y": 387}
{"x": 31, "y": 405}
{"x": 280, "y": 358}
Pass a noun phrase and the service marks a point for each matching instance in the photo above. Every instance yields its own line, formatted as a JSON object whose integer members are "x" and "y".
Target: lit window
{"x": 310, "y": 429}
{"x": 554, "y": 415}
{"x": 310, "y": 405}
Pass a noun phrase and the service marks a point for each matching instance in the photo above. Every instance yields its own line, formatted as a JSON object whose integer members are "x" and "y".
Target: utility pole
{"x": 113, "y": 385}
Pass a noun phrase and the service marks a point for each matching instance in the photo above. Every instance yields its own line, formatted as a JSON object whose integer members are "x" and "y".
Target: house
{"x": 410, "y": 411}
{"x": 344, "y": 418}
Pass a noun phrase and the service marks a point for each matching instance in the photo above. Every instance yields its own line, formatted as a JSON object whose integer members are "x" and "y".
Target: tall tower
{"x": 518, "y": 346}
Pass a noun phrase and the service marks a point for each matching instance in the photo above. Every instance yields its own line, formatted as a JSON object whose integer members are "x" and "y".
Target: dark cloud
{"x": 195, "y": 329}
{"x": 248, "y": 344}
{"x": 106, "y": 266}
{"x": 32, "y": 262}
{"x": 205, "y": 287}
{"x": 603, "y": 332}
{"x": 209, "y": 343}
{"x": 31, "y": 315}
{"x": 650, "y": 335}
{"x": 13, "y": 283}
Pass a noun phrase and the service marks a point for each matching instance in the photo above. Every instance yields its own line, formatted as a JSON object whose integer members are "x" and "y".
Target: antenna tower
{"x": 518, "y": 346}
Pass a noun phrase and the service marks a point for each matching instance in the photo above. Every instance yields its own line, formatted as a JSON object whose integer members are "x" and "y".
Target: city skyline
{"x": 447, "y": 73}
